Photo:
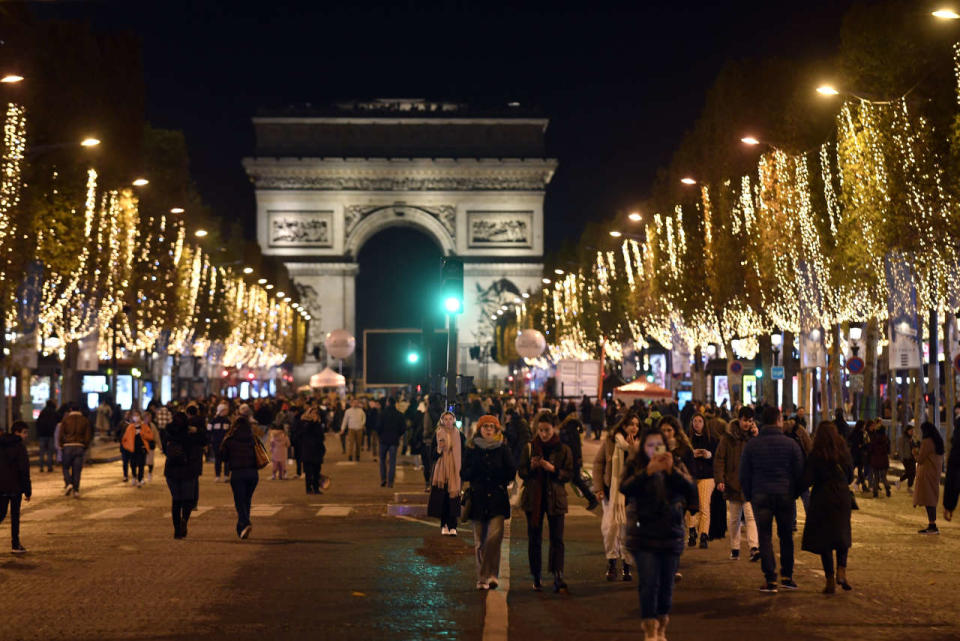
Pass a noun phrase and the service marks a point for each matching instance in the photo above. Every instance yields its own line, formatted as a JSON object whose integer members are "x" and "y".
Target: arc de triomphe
{"x": 326, "y": 181}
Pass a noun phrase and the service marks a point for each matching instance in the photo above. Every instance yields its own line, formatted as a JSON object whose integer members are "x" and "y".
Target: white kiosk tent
{"x": 641, "y": 389}
{"x": 328, "y": 379}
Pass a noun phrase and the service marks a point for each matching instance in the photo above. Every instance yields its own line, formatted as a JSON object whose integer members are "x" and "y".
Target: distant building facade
{"x": 328, "y": 181}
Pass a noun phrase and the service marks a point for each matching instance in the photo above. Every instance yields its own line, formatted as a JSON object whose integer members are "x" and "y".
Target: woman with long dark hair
{"x": 829, "y": 470}
{"x": 239, "y": 452}
{"x": 926, "y": 492}
{"x": 658, "y": 495}
{"x": 182, "y": 447}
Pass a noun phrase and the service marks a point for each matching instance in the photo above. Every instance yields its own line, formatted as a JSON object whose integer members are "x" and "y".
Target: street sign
{"x": 736, "y": 367}
{"x": 776, "y": 372}
{"x": 855, "y": 365}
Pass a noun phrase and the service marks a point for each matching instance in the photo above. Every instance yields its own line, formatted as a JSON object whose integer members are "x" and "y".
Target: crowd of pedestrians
{"x": 663, "y": 479}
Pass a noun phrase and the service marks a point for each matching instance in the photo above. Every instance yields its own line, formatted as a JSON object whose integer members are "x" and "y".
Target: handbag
{"x": 466, "y": 503}
{"x": 263, "y": 459}
{"x": 853, "y": 497}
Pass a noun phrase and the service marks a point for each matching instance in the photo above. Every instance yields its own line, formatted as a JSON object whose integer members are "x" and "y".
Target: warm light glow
{"x": 546, "y": 281}
{"x": 11, "y": 78}
{"x": 616, "y": 234}
{"x": 90, "y": 142}
{"x": 827, "y": 90}
{"x": 635, "y": 216}
{"x": 248, "y": 270}
{"x": 268, "y": 286}
{"x": 200, "y": 233}
{"x": 749, "y": 140}
{"x": 946, "y": 14}
{"x": 281, "y": 294}
{"x": 558, "y": 272}
{"x": 262, "y": 281}
{"x": 688, "y": 181}
{"x": 176, "y": 210}
{"x": 856, "y": 333}
{"x": 140, "y": 182}
{"x": 776, "y": 340}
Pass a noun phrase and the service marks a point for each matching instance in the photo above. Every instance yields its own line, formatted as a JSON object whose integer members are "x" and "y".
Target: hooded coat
{"x": 726, "y": 460}
{"x": 14, "y": 467}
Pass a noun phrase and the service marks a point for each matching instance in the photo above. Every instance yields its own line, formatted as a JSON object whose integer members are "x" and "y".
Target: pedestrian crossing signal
{"x": 451, "y": 285}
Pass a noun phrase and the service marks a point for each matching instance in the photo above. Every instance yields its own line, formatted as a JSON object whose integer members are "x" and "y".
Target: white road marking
{"x": 265, "y": 510}
{"x": 45, "y": 514}
{"x": 496, "y": 614}
{"x": 113, "y": 513}
{"x": 335, "y": 510}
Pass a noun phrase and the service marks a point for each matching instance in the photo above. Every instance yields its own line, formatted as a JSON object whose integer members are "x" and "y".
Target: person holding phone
{"x": 608, "y": 467}
{"x": 546, "y": 466}
{"x": 658, "y": 495}
{"x": 704, "y": 446}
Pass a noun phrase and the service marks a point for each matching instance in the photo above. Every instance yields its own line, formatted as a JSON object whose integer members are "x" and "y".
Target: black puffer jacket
{"x": 183, "y": 449}
{"x": 14, "y": 466}
{"x": 238, "y": 449}
{"x": 488, "y": 471}
{"x": 312, "y": 447}
{"x": 655, "y": 507}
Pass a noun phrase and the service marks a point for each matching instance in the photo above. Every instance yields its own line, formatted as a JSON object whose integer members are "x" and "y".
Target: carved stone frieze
{"x": 523, "y": 182}
{"x": 446, "y": 215}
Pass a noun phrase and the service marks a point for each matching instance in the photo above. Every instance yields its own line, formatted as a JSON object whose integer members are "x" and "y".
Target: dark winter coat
{"x": 771, "y": 464}
{"x": 878, "y": 452}
{"x": 14, "y": 467}
{"x": 570, "y": 436}
{"x": 828, "y": 518}
{"x": 517, "y": 433}
{"x": 926, "y": 489}
{"x": 198, "y": 441}
{"x": 859, "y": 443}
{"x": 656, "y": 504}
{"x": 556, "y": 496}
{"x": 47, "y": 422}
{"x": 183, "y": 448}
{"x": 392, "y": 426}
{"x": 488, "y": 471}
{"x": 702, "y": 468}
{"x": 312, "y": 447}
{"x": 238, "y": 449}
{"x": 726, "y": 460}
{"x": 800, "y": 436}
{"x": 951, "y": 487}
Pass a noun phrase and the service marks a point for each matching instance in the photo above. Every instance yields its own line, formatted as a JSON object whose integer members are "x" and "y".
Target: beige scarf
{"x": 446, "y": 471}
{"x": 617, "y": 500}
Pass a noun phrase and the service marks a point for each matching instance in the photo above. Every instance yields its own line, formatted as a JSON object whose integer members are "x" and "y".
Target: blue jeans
{"x": 783, "y": 508}
{"x": 73, "y": 465}
{"x": 47, "y": 451}
{"x": 655, "y": 574}
{"x": 387, "y": 474}
{"x": 243, "y": 483}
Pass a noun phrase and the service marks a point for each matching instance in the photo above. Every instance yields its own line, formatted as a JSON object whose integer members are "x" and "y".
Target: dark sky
{"x": 621, "y": 85}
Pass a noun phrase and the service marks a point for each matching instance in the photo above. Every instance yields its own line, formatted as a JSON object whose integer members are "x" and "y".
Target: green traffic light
{"x": 452, "y": 304}
{"x": 758, "y": 373}
{"x": 413, "y": 357}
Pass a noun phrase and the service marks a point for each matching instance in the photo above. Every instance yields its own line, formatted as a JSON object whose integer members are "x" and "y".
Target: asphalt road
{"x": 335, "y": 566}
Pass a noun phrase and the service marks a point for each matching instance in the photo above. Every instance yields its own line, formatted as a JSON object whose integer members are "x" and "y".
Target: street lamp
{"x": 248, "y": 270}
{"x": 176, "y": 210}
{"x": 141, "y": 182}
{"x": 616, "y": 234}
{"x": 827, "y": 90}
{"x": 547, "y": 281}
{"x": 635, "y": 216}
{"x": 688, "y": 181}
{"x": 558, "y": 272}
{"x": 946, "y": 14}
{"x": 262, "y": 281}
{"x": 776, "y": 340}
{"x": 200, "y": 233}
{"x": 856, "y": 333}
{"x": 90, "y": 142}
{"x": 750, "y": 140}
{"x": 11, "y": 78}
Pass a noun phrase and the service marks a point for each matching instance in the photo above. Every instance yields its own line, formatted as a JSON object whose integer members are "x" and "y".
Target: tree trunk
{"x": 768, "y": 385}
{"x": 71, "y": 384}
{"x": 950, "y": 382}
{"x": 869, "y": 405}
{"x": 789, "y": 370}
{"x": 699, "y": 376}
{"x": 836, "y": 388}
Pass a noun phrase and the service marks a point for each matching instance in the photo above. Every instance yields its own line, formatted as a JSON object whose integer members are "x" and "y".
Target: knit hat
{"x": 488, "y": 419}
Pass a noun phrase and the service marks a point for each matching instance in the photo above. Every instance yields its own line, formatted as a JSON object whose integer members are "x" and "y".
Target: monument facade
{"x": 328, "y": 180}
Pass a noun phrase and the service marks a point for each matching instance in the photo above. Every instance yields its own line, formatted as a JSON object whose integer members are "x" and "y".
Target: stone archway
{"x": 377, "y": 219}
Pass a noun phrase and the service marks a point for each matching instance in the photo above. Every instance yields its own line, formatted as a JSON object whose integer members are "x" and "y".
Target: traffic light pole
{"x": 451, "y": 361}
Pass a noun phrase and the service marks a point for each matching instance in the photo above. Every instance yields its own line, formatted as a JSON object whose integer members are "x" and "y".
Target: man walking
{"x": 392, "y": 427}
{"x": 217, "y": 428}
{"x": 46, "y": 427}
{"x": 726, "y": 474}
{"x": 354, "y": 422}
{"x": 75, "y": 436}
{"x": 770, "y": 473}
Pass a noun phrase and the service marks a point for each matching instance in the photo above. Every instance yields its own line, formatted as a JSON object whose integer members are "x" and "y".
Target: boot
{"x": 692, "y": 539}
{"x": 842, "y": 579}
{"x": 626, "y": 573}
{"x": 559, "y": 585}
{"x": 611, "y": 569}
{"x": 175, "y": 514}
{"x": 649, "y": 627}
{"x": 184, "y": 517}
{"x": 703, "y": 541}
{"x": 831, "y": 586}
{"x": 537, "y": 584}
{"x": 662, "y": 622}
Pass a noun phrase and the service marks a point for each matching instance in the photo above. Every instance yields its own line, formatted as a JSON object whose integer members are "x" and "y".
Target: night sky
{"x": 621, "y": 86}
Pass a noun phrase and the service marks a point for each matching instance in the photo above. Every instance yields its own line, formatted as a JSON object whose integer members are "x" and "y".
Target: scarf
{"x": 543, "y": 449}
{"x": 488, "y": 443}
{"x": 617, "y": 500}
{"x": 446, "y": 471}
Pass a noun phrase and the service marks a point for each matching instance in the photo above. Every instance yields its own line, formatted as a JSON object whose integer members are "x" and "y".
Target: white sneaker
{"x": 149, "y": 476}
{"x": 482, "y": 586}
{"x": 444, "y": 531}
{"x": 67, "y": 489}
{"x": 453, "y": 531}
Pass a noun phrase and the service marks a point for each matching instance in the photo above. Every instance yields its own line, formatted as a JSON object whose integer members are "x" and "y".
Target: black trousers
{"x": 137, "y": 462}
{"x": 14, "y": 503}
{"x": 535, "y": 543}
{"x": 826, "y": 560}
{"x": 312, "y": 472}
{"x": 909, "y": 471}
